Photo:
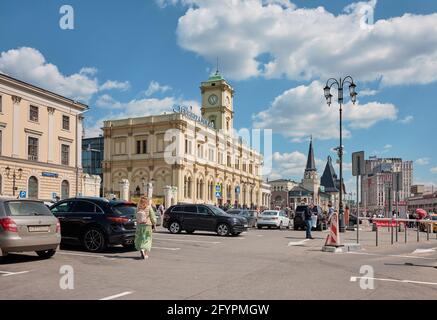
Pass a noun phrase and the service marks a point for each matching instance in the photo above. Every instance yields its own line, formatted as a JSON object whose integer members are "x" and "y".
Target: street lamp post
{"x": 15, "y": 175}
{"x": 327, "y": 90}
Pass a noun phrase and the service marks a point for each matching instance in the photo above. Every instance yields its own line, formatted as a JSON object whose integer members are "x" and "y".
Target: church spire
{"x": 311, "y": 164}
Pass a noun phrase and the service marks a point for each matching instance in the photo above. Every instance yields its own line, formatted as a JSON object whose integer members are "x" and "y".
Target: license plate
{"x": 39, "y": 228}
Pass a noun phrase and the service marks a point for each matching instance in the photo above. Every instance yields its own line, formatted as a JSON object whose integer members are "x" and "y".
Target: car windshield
{"x": 434, "y": 217}
{"x": 27, "y": 208}
{"x": 217, "y": 211}
{"x": 125, "y": 209}
{"x": 270, "y": 213}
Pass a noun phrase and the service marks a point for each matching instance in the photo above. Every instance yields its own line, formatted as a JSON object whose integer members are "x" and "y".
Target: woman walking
{"x": 146, "y": 221}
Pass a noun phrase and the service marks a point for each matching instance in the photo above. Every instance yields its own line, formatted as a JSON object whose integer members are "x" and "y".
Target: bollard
{"x": 376, "y": 235}
{"x": 391, "y": 231}
{"x": 397, "y": 227}
{"x": 417, "y": 227}
{"x": 406, "y": 231}
{"x": 427, "y": 232}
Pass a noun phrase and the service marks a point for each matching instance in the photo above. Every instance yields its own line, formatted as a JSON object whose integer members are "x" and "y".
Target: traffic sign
{"x": 237, "y": 189}
{"x": 54, "y": 195}
{"x": 358, "y": 164}
{"x": 218, "y": 194}
{"x": 22, "y": 194}
{"x": 218, "y": 188}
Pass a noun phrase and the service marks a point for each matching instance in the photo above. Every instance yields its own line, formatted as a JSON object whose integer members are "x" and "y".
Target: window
{"x": 138, "y": 146}
{"x": 63, "y": 207}
{"x": 33, "y": 188}
{"x": 86, "y": 207}
{"x": 186, "y": 146}
{"x": 65, "y": 122}
{"x": 32, "y": 149}
{"x": 1, "y": 139}
{"x": 190, "y": 209}
{"x": 65, "y": 189}
{"x": 203, "y": 210}
{"x": 65, "y": 154}
{"x": 33, "y": 113}
{"x": 26, "y": 208}
{"x": 144, "y": 144}
{"x": 141, "y": 147}
{"x": 178, "y": 209}
{"x": 1, "y": 104}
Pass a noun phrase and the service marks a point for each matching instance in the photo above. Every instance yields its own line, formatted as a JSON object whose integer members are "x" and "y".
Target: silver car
{"x": 28, "y": 225}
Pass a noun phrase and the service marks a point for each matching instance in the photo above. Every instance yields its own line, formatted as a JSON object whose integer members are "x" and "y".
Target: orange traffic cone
{"x": 333, "y": 238}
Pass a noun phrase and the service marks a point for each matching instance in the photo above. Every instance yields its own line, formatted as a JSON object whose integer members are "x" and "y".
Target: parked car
{"x": 424, "y": 226}
{"x": 299, "y": 218}
{"x": 273, "y": 218}
{"x": 191, "y": 217}
{"x": 28, "y": 225}
{"x": 250, "y": 215}
{"x": 96, "y": 223}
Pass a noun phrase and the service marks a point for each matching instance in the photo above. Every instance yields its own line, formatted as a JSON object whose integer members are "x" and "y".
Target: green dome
{"x": 216, "y": 77}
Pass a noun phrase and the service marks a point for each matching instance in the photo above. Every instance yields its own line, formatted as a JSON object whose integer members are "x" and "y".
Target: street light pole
{"x": 327, "y": 90}
{"x": 14, "y": 177}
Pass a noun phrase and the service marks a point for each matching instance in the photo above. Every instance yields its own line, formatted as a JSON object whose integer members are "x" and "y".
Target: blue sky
{"x": 128, "y": 58}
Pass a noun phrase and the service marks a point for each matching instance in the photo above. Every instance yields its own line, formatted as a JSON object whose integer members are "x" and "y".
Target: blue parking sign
{"x": 22, "y": 194}
{"x": 218, "y": 188}
{"x": 218, "y": 194}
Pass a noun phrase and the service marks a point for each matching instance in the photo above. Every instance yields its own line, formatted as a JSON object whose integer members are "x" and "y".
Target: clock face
{"x": 213, "y": 99}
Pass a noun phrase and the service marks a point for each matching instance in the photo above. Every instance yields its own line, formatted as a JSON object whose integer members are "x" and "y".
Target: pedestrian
{"x": 161, "y": 210}
{"x": 308, "y": 213}
{"x": 146, "y": 221}
{"x": 346, "y": 216}
{"x": 330, "y": 210}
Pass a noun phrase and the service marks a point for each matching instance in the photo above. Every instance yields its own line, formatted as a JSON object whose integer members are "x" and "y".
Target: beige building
{"x": 187, "y": 157}
{"x": 40, "y": 142}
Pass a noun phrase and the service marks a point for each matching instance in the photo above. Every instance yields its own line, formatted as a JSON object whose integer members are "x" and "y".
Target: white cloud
{"x": 29, "y": 65}
{"x": 388, "y": 146}
{"x": 368, "y": 93}
{"x": 292, "y": 165}
{"x": 434, "y": 170}
{"x": 422, "y": 161}
{"x": 302, "y": 111}
{"x": 406, "y": 120}
{"x": 256, "y": 38}
{"x": 111, "y": 85}
{"x": 155, "y": 87}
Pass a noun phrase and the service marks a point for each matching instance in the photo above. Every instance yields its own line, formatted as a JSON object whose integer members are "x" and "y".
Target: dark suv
{"x": 96, "y": 222}
{"x": 299, "y": 218}
{"x": 191, "y": 217}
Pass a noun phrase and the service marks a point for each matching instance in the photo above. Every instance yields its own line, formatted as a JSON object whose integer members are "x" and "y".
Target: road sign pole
{"x": 358, "y": 212}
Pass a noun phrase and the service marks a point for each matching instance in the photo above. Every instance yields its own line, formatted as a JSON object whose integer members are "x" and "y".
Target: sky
{"x": 141, "y": 57}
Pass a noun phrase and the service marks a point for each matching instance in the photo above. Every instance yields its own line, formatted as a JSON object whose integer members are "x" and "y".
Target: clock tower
{"x": 217, "y": 102}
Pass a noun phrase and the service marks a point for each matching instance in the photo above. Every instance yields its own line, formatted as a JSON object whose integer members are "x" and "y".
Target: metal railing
{"x": 394, "y": 224}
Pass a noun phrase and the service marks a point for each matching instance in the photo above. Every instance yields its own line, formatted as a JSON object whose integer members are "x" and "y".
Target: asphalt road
{"x": 259, "y": 264}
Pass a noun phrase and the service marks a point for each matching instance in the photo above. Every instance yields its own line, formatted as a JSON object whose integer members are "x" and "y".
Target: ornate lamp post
{"x": 15, "y": 175}
{"x": 353, "y": 95}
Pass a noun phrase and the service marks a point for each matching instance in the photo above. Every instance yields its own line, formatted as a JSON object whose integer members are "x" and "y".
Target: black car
{"x": 299, "y": 218}
{"x": 250, "y": 215}
{"x": 96, "y": 223}
{"x": 191, "y": 217}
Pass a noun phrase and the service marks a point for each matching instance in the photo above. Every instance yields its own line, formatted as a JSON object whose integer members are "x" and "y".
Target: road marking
{"x": 184, "y": 240}
{"x": 297, "y": 243}
{"x": 83, "y": 255}
{"x": 390, "y": 255}
{"x": 419, "y": 251}
{"x": 354, "y": 279}
{"x": 164, "y": 248}
{"x": 7, "y": 273}
{"x": 115, "y": 296}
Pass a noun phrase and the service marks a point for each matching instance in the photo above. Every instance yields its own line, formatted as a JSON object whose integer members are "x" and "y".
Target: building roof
{"x": 329, "y": 178}
{"x": 299, "y": 191}
{"x": 311, "y": 164}
{"x": 215, "y": 77}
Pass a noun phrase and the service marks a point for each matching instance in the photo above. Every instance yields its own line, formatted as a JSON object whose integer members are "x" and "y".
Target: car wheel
{"x": 259, "y": 227}
{"x": 94, "y": 240}
{"x": 235, "y": 233}
{"x": 280, "y": 225}
{"x": 189, "y": 231}
{"x": 289, "y": 225}
{"x": 175, "y": 227}
{"x": 222, "y": 229}
{"x": 46, "y": 254}
{"x": 295, "y": 228}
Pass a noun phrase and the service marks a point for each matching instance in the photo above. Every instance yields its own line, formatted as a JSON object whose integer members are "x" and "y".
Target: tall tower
{"x": 311, "y": 178}
{"x": 217, "y": 102}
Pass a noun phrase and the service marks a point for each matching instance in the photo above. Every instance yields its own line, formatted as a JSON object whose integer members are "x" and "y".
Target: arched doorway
{"x": 33, "y": 188}
{"x": 65, "y": 189}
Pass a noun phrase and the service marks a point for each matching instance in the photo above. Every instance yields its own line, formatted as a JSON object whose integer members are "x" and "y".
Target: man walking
{"x": 308, "y": 213}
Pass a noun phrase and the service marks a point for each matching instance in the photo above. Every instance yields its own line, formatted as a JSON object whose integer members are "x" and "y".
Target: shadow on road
{"x": 18, "y": 258}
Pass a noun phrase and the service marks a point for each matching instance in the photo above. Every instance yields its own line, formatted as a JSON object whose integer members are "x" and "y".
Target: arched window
{"x": 65, "y": 189}
{"x": 185, "y": 187}
{"x": 137, "y": 191}
{"x": 189, "y": 187}
{"x": 201, "y": 189}
{"x": 33, "y": 188}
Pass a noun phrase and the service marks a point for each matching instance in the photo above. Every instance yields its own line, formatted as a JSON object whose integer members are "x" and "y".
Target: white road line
{"x": 390, "y": 255}
{"x": 115, "y": 296}
{"x": 184, "y": 240}
{"x": 354, "y": 279}
{"x": 419, "y": 251}
{"x": 164, "y": 248}
{"x": 260, "y": 235}
{"x": 297, "y": 243}
{"x": 7, "y": 274}
{"x": 83, "y": 255}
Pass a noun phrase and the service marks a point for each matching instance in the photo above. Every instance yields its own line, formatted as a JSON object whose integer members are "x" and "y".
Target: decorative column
{"x": 124, "y": 189}
{"x": 79, "y": 133}
{"x": 16, "y": 126}
{"x": 50, "y": 135}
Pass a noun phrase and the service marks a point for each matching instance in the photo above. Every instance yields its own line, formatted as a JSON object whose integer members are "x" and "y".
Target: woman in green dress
{"x": 146, "y": 221}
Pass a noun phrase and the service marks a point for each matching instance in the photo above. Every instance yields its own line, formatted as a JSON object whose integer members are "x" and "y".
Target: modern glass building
{"x": 92, "y": 156}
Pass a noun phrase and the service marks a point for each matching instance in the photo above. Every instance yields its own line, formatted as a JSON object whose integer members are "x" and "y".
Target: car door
{"x": 190, "y": 218}
{"x": 62, "y": 211}
{"x": 83, "y": 213}
{"x": 206, "y": 218}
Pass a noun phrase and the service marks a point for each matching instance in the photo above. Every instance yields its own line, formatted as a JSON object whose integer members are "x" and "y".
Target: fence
{"x": 395, "y": 225}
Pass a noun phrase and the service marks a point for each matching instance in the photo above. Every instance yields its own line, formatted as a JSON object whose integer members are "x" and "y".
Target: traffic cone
{"x": 333, "y": 238}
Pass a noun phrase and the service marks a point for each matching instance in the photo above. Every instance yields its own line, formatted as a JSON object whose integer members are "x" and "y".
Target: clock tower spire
{"x": 217, "y": 101}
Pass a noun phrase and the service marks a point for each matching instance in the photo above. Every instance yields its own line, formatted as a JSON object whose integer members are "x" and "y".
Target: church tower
{"x": 217, "y": 102}
{"x": 311, "y": 180}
